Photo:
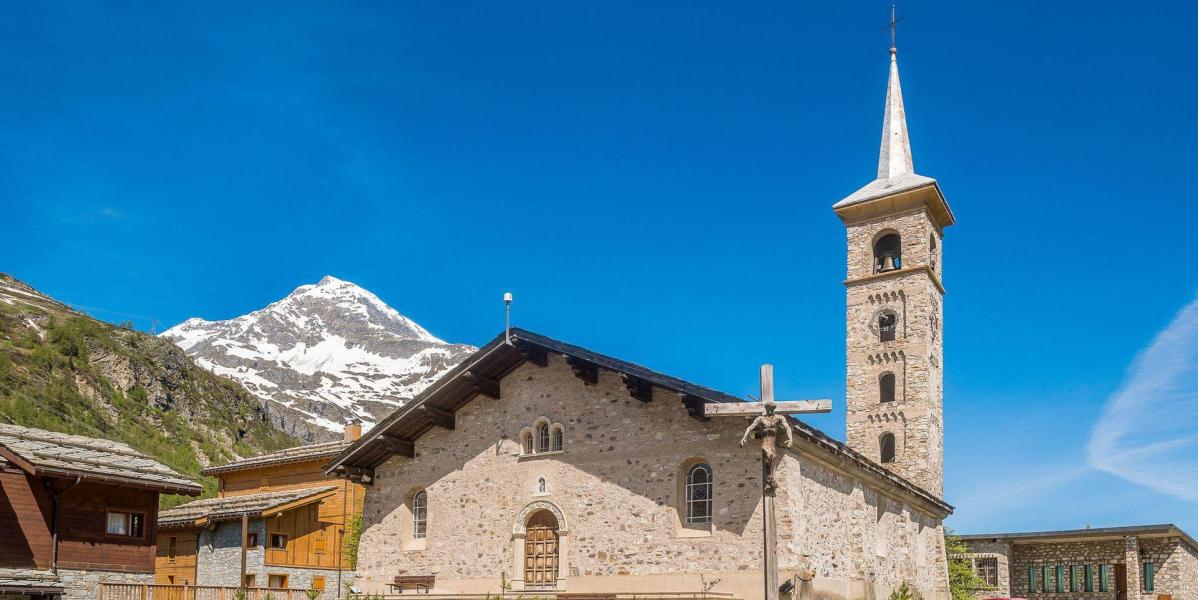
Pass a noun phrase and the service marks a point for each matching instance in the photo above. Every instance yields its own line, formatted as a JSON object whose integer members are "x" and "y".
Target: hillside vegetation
{"x": 65, "y": 371}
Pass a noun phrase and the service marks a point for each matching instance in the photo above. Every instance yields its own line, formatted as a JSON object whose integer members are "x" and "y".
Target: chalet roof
{"x": 324, "y": 450}
{"x": 29, "y": 580}
{"x": 480, "y": 373}
{"x": 229, "y": 508}
{"x": 49, "y": 453}
{"x": 1160, "y": 530}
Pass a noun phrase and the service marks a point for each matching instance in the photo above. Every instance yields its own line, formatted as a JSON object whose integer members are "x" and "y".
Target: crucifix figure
{"x": 768, "y": 421}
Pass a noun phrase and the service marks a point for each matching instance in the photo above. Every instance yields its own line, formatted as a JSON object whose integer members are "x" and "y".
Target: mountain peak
{"x": 324, "y": 354}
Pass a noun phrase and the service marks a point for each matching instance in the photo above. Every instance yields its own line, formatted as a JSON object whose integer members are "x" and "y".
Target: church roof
{"x": 480, "y": 373}
{"x": 896, "y": 163}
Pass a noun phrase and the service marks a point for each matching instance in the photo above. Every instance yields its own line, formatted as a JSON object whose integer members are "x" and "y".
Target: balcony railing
{"x": 143, "y": 591}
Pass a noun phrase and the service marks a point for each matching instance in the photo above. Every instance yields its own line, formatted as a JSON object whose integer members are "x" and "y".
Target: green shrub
{"x": 349, "y": 541}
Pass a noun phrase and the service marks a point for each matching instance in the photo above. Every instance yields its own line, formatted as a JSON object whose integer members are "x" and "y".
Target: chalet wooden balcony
{"x": 552, "y": 595}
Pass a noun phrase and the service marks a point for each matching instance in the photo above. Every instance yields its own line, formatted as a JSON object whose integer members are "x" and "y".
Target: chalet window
{"x": 1102, "y": 584}
{"x": 278, "y": 541}
{"x": 557, "y": 438}
{"x": 543, "y": 437}
{"x": 1088, "y": 578}
{"x": 886, "y": 447}
{"x": 698, "y": 494}
{"x": 1148, "y": 578}
{"x": 251, "y": 580}
{"x": 318, "y": 583}
{"x": 886, "y": 388}
{"x": 1044, "y": 578}
{"x": 419, "y": 515}
{"x": 987, "y": 569}
{"x": 1031, "y": 579}
{"x": 277, "y": 582}
{"x": 251, "y": 539}
{"x": 1060, "y": 579}
{"x": 886, "y": 326}
{"x": 171, "y": 546}
{"x": 126, "y": 524}
{"x": 1074, "y": 578}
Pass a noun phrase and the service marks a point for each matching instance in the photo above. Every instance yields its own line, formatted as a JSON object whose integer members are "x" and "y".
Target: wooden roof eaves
{"x": 163, "y": 487}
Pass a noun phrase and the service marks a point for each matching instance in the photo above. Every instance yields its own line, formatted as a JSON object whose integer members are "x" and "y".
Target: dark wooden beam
{"x": 694, "y": 407}
{"x": 359, "y": 475}
{"x": 536, "y": 356}
{"x": 638, "y": 388}
{"x": 482, "y": 384}
{"x": 587, "y": 372}
{"x": 440, "y": 418}
{"x": 398, "y": 445}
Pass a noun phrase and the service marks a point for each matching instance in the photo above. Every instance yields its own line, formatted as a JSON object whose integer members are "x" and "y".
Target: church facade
{"x": 541, "y": 467}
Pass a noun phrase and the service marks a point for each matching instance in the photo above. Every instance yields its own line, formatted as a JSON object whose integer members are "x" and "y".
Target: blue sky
{"x": 654, "y": 181}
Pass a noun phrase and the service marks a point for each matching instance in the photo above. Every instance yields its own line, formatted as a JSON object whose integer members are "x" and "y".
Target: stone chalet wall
{"x": 85, "y": 584}
{"x": 219, "y": 561}
{"x": 1176, "y": 567}
{"x": 616, "y": 491}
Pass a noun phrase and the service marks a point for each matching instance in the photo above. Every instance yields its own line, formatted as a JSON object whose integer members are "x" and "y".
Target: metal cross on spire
{"x": 892, "y": 25}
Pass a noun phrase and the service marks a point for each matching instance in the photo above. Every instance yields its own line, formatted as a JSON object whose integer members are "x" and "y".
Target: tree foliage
{"x": 963, "y": 580}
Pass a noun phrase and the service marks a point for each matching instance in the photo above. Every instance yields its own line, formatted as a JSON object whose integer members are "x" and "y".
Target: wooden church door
{"x": 540, "y": 550}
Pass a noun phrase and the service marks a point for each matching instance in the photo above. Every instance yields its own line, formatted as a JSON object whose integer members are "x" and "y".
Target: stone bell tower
{"x": 895, "y": 320}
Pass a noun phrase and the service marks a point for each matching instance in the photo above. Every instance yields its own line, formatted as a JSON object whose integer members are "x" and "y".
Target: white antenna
{"x": 507, "y": 317}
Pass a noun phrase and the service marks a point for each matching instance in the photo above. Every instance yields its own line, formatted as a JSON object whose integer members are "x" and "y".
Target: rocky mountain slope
{"x": 64, "y": 371}
{"x": 324, "y": 355}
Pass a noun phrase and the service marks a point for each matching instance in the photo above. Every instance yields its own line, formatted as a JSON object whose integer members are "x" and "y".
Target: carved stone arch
{"x": 521, "y": 526}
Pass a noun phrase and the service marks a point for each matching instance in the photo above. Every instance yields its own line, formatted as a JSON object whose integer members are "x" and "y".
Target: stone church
{"x": 541, "y": 467}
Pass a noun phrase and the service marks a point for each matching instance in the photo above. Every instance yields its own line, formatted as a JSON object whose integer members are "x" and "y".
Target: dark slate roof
{"x": 494, "y": 360}
{"x": 1160, "y": 530}
{"x": 48, "y": 453}
{"x": 290, "y": 455}
{"x": 233, "y": 507}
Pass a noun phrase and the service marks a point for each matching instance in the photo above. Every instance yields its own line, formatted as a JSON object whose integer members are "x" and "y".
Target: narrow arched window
{"x": 542, "y": 487}
{"x": 886, "y": 388}
{"x": 888, "y": 253}
{"x": 698, "y": 494}
{"x": 526, "y": 442}
{"x": 887, "y": 447}
{"x": 886, "y": 326}
{"x": 543, "y": 437}
{"x": 932, "y": 250}
{"x": 557, "y": 438}
{"x": 419, "y": 514}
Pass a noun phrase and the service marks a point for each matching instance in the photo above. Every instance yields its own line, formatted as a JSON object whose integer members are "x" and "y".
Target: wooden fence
{"x": 142, "y": 591}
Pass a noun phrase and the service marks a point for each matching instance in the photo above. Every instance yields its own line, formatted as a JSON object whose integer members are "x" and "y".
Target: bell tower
{"x": 895, "y": 295}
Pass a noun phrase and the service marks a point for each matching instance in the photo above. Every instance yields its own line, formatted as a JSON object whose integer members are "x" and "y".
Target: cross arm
{"x": 752, "y": 409}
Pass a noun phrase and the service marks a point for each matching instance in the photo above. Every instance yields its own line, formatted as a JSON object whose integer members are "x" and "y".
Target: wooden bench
{"x": 585, "y": 596}
{"x": 420, "y": 583}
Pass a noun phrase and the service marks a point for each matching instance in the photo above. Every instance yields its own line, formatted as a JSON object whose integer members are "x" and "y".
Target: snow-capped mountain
{"x": 325, "y": 354}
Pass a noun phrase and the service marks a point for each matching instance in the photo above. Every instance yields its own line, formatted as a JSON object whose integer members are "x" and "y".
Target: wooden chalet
{"x": 277, "y": 522}
{"x": 70, "y": 504}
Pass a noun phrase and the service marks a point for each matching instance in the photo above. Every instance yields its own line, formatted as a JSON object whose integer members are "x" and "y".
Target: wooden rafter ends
{"x": 587, "y": 372}
{"x": 534, "y": 355}
{"x": 398, "y": 445}
{"x": 359, "y": 475}
{"x": 482, "y": 384}
{"x": 638, "y": 388}
{"x": 440, "y": 418}
{"x": 694, "y": 407}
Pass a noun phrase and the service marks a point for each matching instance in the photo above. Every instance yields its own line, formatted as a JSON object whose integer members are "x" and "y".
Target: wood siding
{"x": 182, "y": 566}
{"x": 25, "y": 523}
{"x": 314, "y": 532}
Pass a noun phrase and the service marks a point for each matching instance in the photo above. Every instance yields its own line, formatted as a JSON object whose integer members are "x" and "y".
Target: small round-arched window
{"x": 558, "y": 436}
{"x": 886, "y": 443}
{"x": 886, "y": 387}
{"x": 888, "y": 253}
{"x": 543, "y": 437}
{"x": 698, "y": 494}
{"x": 419, "y": 514}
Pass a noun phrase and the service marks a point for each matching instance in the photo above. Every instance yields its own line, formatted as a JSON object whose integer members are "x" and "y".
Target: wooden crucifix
{"x": 768, "y": 422}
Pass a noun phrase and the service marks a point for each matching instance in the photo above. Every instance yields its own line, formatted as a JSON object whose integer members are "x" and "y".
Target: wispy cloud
{"x": 1148, "y": 433}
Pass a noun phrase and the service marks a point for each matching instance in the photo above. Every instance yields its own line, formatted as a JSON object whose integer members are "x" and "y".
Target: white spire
{"x": 895, "y": 159}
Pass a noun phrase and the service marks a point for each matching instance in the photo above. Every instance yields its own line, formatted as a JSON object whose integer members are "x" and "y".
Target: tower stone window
{"x": 888, "y": 253}
{"x": 886, "y": 387}
{"x": 886, "y": 444}
{"x": 886, "y": 326}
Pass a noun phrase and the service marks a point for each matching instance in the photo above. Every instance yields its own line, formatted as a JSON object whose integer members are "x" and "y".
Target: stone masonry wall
{"x": 915, "y": 357}
{"x": 1001, "y": 552}
{"x": 85, "y": 585}
{"x": 616, "y": 486}
{"x": 1177, "y": 567}
{"x": 219, "y": 561}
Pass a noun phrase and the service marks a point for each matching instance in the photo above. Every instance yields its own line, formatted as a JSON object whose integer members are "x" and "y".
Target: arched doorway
{"x": 541, "y": 548}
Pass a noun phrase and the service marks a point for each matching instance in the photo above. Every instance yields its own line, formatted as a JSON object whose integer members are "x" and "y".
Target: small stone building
{"x": 1146, "y": 562}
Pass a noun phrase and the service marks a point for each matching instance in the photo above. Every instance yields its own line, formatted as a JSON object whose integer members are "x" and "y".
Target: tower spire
{"x": 894, "y": 158}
